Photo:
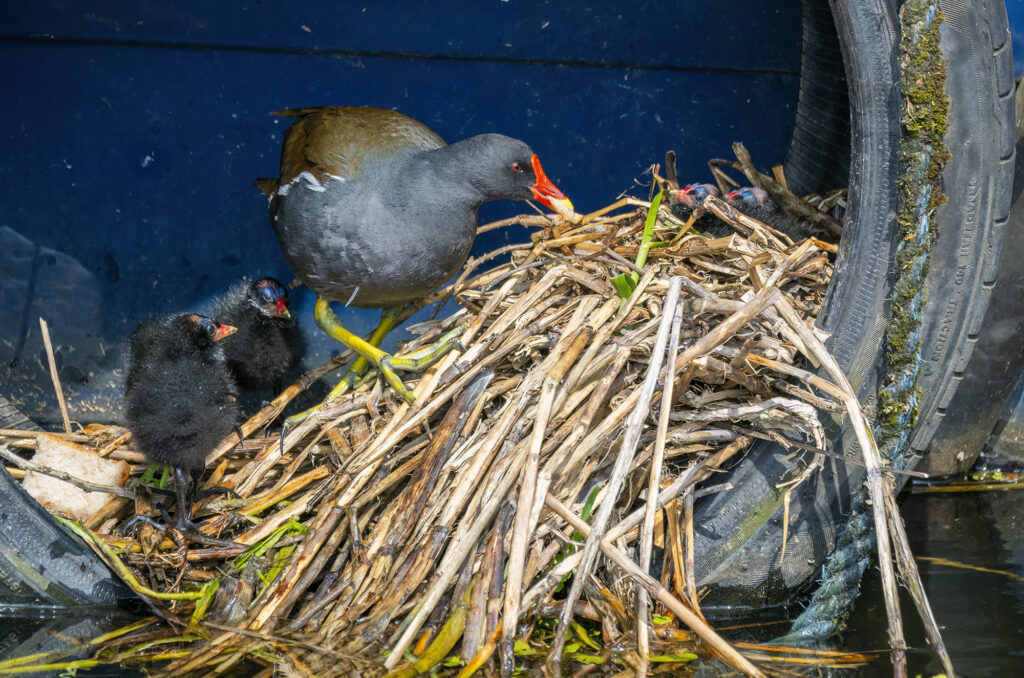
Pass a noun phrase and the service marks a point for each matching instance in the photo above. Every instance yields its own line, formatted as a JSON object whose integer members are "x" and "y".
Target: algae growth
{"x": 923, "y": 154}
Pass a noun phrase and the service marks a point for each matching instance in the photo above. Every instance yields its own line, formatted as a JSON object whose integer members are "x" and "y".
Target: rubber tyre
{"x": 969, "y": 376}
{"x": 1001, "y": 347}
{"x": 739, "y": 533}
{"x": 42, "y": 565}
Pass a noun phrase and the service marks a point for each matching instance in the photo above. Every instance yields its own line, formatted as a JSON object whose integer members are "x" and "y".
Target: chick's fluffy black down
{"x": 264, "y": 348}
{"x": 179, "y": 396}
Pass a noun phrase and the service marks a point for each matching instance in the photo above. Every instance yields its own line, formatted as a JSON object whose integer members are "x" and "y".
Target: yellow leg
{"x": 366, "y": 348}
{"x": 369, "y": 353}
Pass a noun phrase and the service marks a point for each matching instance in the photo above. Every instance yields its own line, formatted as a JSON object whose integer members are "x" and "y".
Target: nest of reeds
{"x": 612, "y": 366}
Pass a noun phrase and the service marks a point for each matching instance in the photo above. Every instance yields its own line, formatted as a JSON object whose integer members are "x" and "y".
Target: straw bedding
{"x": 382, "y": 537}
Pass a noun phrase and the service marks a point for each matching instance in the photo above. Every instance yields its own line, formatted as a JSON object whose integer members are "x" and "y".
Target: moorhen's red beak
{"x": 731, "y": 195}
{"x": 223, "y": 331}
{"x": 547, "y": 193}
{"x": 281, "y": 311}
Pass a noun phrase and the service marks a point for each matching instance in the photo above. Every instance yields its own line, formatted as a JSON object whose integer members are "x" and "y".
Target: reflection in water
{"x": 981, "y": 614}
{"x": 20, "y": 637}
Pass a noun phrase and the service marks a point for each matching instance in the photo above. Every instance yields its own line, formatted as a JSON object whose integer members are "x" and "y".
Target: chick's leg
{"x": 185, "y": 485}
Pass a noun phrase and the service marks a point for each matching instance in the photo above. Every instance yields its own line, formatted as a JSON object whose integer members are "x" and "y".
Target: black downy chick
{"x": 180, "y": 398}
{"x": 755, "y": 202}
{"x": 268, "y": 342}
{"x": 684, "y": 201}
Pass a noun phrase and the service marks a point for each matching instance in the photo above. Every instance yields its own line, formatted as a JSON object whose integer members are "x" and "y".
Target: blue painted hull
{"x": 132, "y": 135}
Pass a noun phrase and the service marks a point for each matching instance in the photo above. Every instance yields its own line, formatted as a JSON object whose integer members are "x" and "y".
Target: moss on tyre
{"x": 923, "y": 154}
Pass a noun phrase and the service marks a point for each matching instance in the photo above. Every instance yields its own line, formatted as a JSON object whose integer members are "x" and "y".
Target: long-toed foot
{"x": 186, "y": 527}
{"x": 217, "y": 489}
{"x": 192, "y": 531}
{"x": 369, "y": 354}
{"x": 185, "y": 487}
{"x": 199, "y": 493}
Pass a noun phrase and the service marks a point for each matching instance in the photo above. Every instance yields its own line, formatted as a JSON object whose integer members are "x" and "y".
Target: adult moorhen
{"x": 373, "y": 209}
{"x": 267, "y": 342}
{"x": 180, "y": 399}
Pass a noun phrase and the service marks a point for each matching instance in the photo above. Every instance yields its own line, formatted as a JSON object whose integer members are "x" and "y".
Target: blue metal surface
{"x": 655, "y": 33}
{"x": 1015, "y": 14}
{"x": 132, "y": 133}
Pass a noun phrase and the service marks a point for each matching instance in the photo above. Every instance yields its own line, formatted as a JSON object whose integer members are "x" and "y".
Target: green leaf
{"x": 522, "y": 649}
{"x": 279, "y": 562}
{"x": 645, "y": 241}
{"x": 582, "y": 634}
{"x": 451, "y": 661}
{"x": 660, "y": 619}
{"x": 683, "y": 657}
{"x": 587, "y": 658}
{"x": 588, "y": 506}
{"x": 149, "y": 473}
{"x": 259, "y": 548}
{"x": 149, "y": 476}
{"x": 209, "y": 590}
{"x": 624, "y": 285}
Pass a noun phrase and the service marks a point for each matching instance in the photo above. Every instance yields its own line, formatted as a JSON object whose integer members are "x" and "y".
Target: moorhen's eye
{"x": 209, "y": 327}
{"x": 516, "y": 168}
{"x": 268, "y": 295}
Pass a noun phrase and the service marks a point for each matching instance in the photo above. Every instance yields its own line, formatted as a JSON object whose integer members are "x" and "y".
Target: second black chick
{"x": 180, "y": 399}
{"x": 268, "y": 342}
{"x": 684, "y": 201}
{"x": 755, "y": 202}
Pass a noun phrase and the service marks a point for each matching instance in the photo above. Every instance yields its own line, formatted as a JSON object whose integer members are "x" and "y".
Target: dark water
{"x": 981, "y": 613}
{"x": 47, "y": 632}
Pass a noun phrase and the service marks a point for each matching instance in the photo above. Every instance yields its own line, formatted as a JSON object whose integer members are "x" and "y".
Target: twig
{"x": 270, "y": 412}
{"x": 523, "y": 526}
{"x": 912, "y": 580}
{"x": 53, "y": 374}
{"x": 787, "y": 201}
{"x": 611, "y": 491}
{"x": 734, "y": 658}
{"x": 876, "y": 488}
{"x": 122, "y": 570}
{"x": 671, "y": 312}
{"x": 16, "y": 433}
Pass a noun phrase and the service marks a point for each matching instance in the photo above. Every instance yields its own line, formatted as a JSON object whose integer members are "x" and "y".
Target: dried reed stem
{"x": 671, "y": 313}
{"x": 699, "y": 626}
{"x": 51, "y": 361}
